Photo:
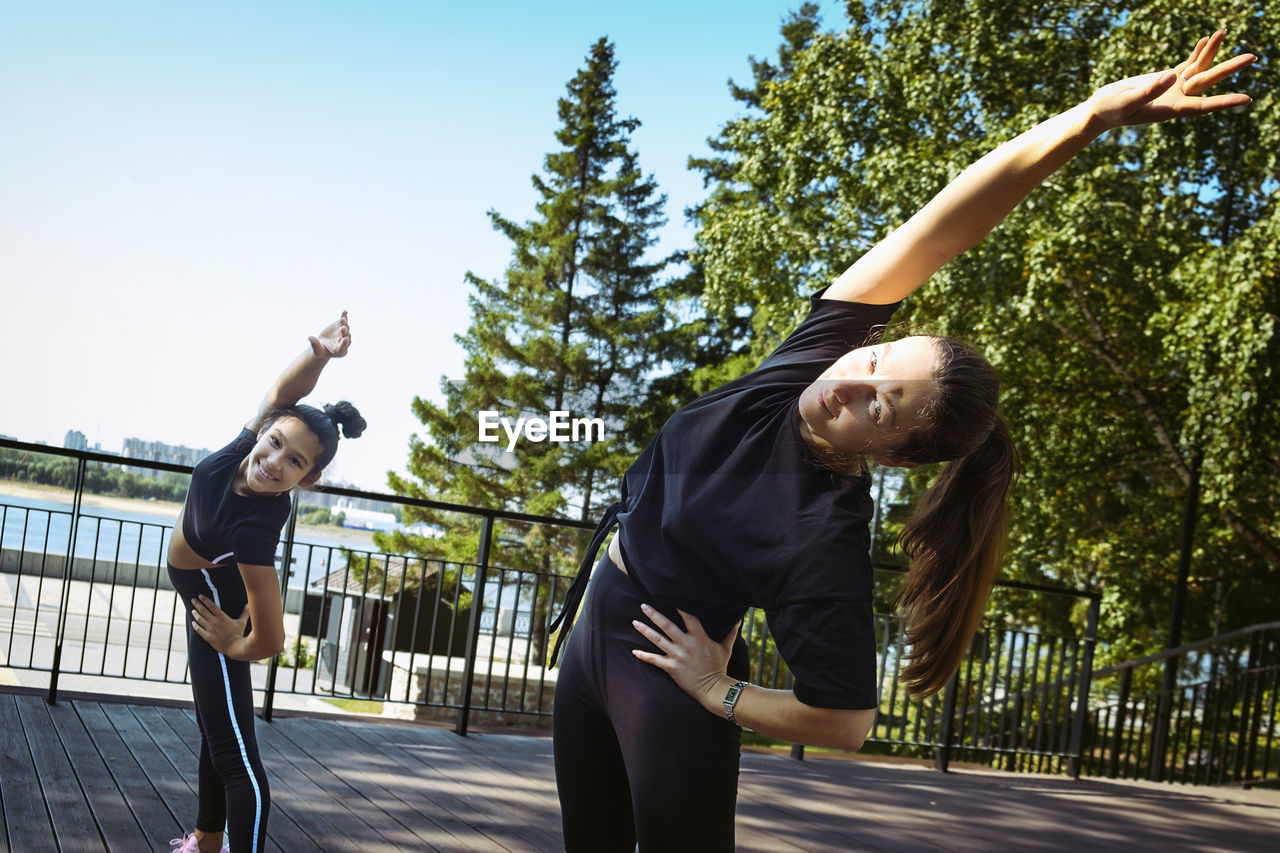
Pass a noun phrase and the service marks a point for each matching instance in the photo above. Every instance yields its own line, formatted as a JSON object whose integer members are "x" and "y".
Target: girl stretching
{"x": 222, "y": 564}
{"x": 756, "y": 495}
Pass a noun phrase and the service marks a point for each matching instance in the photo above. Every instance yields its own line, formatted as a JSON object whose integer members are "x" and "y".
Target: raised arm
{"x": 300, "y": 377}
{"x": 982, "y": 195}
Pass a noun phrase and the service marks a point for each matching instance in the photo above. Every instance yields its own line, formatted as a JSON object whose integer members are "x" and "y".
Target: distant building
{"x": 343, "y": 502}
{"x": 75, "y": 440}
{"x": 158, "y": 451}
{"x": 362, "y": 519}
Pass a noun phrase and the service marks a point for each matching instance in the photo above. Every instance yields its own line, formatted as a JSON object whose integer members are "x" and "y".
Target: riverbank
{"x": 35, "y": 492}
{"x": 165, "y": 509}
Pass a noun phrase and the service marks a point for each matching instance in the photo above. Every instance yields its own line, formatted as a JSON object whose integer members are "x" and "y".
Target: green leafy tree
{"x": 572, "y": 326}
{"x": 1130, "y": 304}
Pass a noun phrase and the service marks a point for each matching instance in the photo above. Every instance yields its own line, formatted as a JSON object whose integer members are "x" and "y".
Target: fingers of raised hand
{"x": 1198, "y": 72}
{"x": 1194, "y": 84}
{"x": 1206, "y": 46}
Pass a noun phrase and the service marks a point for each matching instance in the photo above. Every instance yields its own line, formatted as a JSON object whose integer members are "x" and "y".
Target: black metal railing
{"x": 464, "y": 641}
{"x": 1217, "y": 725}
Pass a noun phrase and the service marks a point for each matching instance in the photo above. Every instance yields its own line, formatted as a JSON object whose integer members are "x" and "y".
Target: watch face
{"x": 732, "y": 695}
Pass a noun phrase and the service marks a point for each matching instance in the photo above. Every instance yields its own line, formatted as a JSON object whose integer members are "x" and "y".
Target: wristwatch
{"x": 731, "y": 697}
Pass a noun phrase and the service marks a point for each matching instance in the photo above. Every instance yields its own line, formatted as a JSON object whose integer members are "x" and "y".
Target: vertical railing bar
{"x": 882, "y": 626}
{"x": 1178, "y": 722}
{"x": 327, "y": 613}
{"x": 1194, "y": 690}
{"x": 473, "y": 631}
{"x": 68, "y": 563}
{"x": 988, "y": 690}
{"x": 133, "y": 601}
{"x": 453, "y": 630}
{"x": 378, "y": 624}
{"x": 115, "y": 578}
{"x": 417, "y": 620}
{"x": 1043, "y": 693}
{"x": 442, "y": 574}
{"x": 1253, "y": 728}
{"x": 44, "y": 566}
{"x": 1086, "y": 685}
{"x": 17, "y": 583}
{"x": 963, "y": 698}
{"x": 1028, "y": 697}
{"x": 93, "y": 579}
{"x": 391, "y": 642}
{"x": 942, "y": 756}
{"x": 1061, "y": 725}
{"x": 1211, "y": 720}
{"x": 1122, "y": 707}
{"x": 493, "y": 642}
{"x": 1271, "y": 719}
{"x": 539, "y": 583}
{"x": 1246, "y": 713}
{"x": 268, "y": 699}
{"x": 1020, "y": 703}
{"x": 1009, "y": 645}
{"x": 323, "y": 617}
{"x": 161, "y": 561}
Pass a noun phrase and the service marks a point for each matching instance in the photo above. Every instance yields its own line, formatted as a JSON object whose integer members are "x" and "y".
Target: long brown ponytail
{"x": 956, "y": 538}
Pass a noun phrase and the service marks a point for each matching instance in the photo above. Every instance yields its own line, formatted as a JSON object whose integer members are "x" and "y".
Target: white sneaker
{"x": 188, "y": 844}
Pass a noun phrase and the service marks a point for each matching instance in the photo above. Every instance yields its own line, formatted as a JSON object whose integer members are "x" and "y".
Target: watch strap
{"x": 731, "y": 697}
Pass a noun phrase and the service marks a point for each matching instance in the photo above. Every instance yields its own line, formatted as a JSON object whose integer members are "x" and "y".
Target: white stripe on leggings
{"x": 231, "y": 711}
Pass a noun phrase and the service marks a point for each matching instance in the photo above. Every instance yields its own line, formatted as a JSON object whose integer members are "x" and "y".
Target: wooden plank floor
{"x": 91, "y": 775}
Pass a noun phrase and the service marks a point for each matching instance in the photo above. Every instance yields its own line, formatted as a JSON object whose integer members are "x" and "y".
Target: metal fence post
{"x": 286, "y": 561}
{"x": 473, "y": 628}
{"x": 1086, "y": 683}
{"x": 68, "y": 562}
{"x": 1242, "y": 766}
{"x": 1122, "y": 708}
{"x": 942, "y": 758}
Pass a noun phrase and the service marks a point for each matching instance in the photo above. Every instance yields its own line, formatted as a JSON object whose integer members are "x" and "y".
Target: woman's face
{"x": 868, "y": 400}
{"x": 282, "y": 458}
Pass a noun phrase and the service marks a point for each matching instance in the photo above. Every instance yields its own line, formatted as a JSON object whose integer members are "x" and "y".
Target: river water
{"x": 136, "y": 535}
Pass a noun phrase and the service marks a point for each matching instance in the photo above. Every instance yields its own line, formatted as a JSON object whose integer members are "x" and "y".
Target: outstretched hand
{"x": 694, "y": 661}
{"x": 1174, "y": 92}
{"x": 334, "y": 340}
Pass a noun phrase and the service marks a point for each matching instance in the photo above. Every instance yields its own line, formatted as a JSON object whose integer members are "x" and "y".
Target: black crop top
{"x": 728, "y": 508}
{"x": 218, "y": 523}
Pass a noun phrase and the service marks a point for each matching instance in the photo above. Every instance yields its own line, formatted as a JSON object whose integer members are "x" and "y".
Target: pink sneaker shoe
{"x": 190, "y": 845}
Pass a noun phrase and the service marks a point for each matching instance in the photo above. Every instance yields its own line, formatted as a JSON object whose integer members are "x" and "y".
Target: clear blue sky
{"x": 187, "y": 190}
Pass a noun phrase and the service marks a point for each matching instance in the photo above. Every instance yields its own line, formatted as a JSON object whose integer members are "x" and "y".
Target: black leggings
{"x": 638, "y": 759}
{"x": 232, "y": 784}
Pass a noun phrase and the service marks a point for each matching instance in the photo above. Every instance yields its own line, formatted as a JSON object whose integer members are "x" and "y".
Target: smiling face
{"x": 870, "y": 399}
{"x": 282, "y": 458}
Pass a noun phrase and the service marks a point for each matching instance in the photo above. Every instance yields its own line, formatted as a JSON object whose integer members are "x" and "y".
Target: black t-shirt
{"x": 727, "y": 508}
{"x": 218, "y": 523}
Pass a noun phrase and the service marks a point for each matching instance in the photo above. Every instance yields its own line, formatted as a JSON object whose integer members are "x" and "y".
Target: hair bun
{"x": 346, "y": 416}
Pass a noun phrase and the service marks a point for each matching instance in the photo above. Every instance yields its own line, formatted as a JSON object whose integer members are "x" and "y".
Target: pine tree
{"x": 570, "y": 327}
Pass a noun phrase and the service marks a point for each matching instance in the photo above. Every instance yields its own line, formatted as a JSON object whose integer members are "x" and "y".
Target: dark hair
{"x": 324, "y": 423}
{"x": 955, "y": 539}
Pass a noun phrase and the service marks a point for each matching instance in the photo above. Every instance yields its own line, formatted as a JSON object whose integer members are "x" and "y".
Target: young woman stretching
{"x": 222, "y": 564}
{"x": 755, "y": 495}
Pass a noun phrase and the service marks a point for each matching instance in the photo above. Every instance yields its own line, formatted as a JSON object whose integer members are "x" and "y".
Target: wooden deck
{"x": 103, "y": 775}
